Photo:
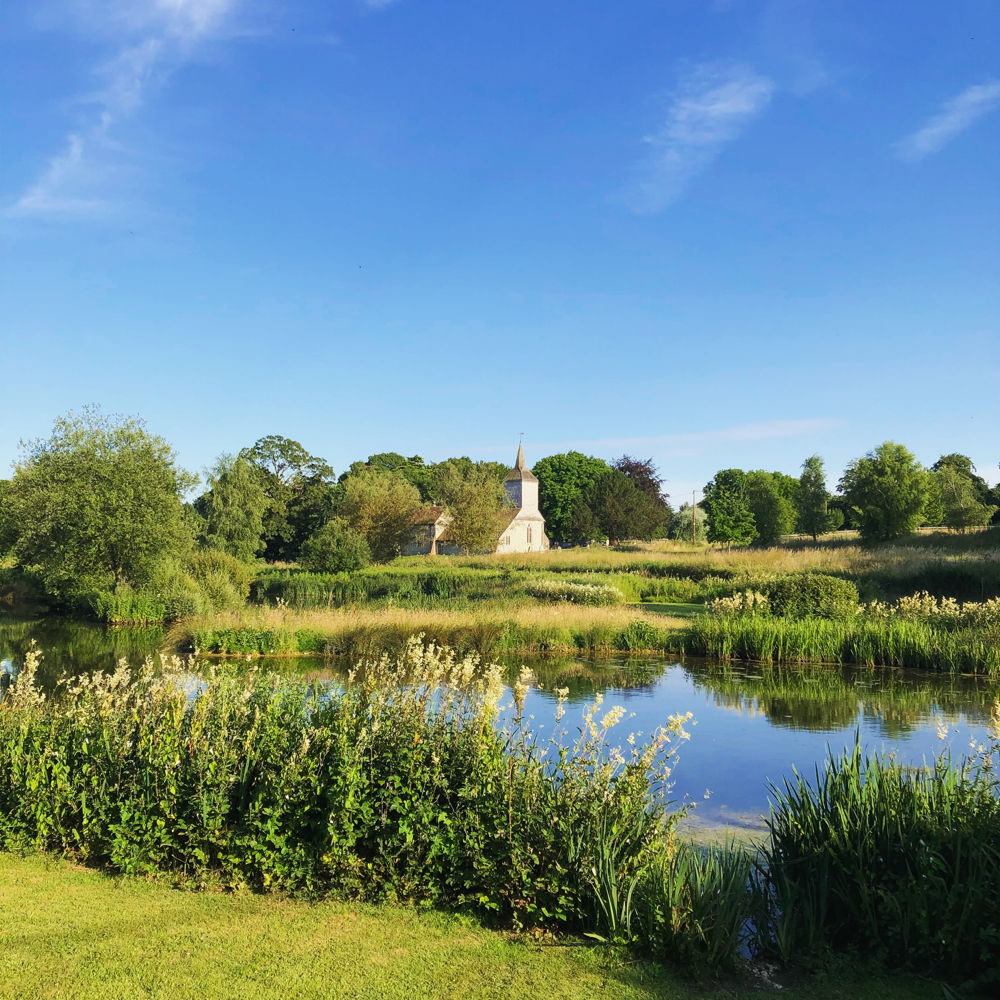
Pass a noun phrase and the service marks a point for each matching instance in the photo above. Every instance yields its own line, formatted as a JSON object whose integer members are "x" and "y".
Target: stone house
{"x": 520, "y": 527}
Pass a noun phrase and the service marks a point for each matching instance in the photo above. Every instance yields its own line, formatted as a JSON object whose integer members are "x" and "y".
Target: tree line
{"x": 885, "y": 495}
{"x": 102, "y": 504}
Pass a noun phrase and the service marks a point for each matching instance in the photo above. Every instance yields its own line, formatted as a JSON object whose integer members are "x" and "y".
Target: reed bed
{"x": 894, "y": 863}
{"x": 890, "y": 643}
{"x": 487, "y": 630}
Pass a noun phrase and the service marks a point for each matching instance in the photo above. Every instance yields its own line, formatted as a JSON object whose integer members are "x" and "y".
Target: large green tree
{"x": 379, "y": 505}
{"x": 300, "y": 492}
{"x": 233, "y": 508}
{"x": 563, "y": 482}
{"x": 97, "y": 504}
{"x": 958, "y": 496}
{"x": 474, "y": 499}
{"x": 886, "y": 491}
{"x": 773, "y": 511}
{"x": 730, "y": 519}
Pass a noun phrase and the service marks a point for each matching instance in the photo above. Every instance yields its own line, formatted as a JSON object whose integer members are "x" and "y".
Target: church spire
{"x": 520, "y": 463}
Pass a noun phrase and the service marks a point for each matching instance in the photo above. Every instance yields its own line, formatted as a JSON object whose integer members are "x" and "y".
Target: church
{"x": 520, "y": 527}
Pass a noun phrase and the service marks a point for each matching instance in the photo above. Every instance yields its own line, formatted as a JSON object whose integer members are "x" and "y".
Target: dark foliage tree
{"x": 730, "y": 519}
{"x": 563, "y": 482}
{"x": 814, "y": 515}
{"x": 886, "y": 491}
{"x": 300, "y": 492}
{"x": 621, "y": 510}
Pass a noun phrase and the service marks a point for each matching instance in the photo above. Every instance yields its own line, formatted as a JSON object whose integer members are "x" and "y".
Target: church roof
{"x": 521, "y": 470}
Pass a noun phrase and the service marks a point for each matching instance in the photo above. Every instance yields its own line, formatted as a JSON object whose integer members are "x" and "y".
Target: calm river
{"x": 751, "y": 725}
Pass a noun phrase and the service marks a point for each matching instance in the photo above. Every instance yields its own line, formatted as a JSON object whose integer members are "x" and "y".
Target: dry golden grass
{"x": 416, "y": 620}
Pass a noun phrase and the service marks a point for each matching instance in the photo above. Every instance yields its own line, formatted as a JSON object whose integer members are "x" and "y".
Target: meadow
{"x": 835, "y": 602}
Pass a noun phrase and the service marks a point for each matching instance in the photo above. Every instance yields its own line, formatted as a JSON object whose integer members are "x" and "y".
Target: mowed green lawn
{"x": 66, "y": 932}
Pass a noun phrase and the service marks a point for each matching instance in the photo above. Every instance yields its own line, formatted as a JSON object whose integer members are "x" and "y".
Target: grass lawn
{"x": 66, "y": 932}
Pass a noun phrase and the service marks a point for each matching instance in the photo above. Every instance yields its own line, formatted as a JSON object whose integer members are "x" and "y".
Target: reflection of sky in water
{"x": 735, "y": 747}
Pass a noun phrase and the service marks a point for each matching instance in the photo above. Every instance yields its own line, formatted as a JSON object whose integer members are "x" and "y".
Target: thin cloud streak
{"x": 710, "y": 109}
{"x": 83, "y": 180}
{"x": 955, "y": 116}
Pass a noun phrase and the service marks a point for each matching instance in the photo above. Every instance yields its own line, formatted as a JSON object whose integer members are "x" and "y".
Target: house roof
{"x": 521, "y": 470}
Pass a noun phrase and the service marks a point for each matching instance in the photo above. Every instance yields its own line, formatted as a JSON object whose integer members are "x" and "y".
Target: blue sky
{"x": 730, "y": 233}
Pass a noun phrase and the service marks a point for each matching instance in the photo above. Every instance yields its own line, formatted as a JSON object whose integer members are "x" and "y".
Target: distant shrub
{"x": 804, "y": 595}
{"x": 335, "y": 548}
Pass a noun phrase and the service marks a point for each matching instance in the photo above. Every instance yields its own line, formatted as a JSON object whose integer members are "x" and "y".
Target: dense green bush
{"x": 335, "y": 548}
{"x": 897, "y": 863}
{"x": 802, "y": 595}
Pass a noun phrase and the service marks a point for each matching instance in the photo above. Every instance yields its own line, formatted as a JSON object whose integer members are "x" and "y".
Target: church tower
{"x": 521, "y": 485}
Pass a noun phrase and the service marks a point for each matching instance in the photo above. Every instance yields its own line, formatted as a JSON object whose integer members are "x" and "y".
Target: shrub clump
{"x": 335, "y": 548}
{"x": 802, "y": 595}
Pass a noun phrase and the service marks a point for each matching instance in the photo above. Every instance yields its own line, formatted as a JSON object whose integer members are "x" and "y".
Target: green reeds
{"x": 896, "y": 863}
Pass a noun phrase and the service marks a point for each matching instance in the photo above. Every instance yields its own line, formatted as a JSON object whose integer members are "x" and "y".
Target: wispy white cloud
{"x": 711, "y": 108}
{"x": 955, "y": 116}
{"x": 153, "y": 38}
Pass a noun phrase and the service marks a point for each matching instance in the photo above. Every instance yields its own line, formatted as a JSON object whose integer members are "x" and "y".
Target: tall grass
{"x": 891, "y": 643}
{"x": 488, "y": 630}
{"x": 899, "y": 864}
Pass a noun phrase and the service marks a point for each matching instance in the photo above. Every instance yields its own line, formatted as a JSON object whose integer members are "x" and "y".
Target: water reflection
{"x": 752, "y": 724}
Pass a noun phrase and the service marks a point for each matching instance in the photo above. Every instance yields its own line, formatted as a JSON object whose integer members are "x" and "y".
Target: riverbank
{"x": 83, "y": 936}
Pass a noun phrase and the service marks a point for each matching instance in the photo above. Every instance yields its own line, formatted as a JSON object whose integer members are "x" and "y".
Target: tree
{"x": 380, "y": 507}
{"x": 300, "y": 493}
{"x": 335, "y": 548}
{"x": 233, "y": 508}
{"x": 958, "y": 496}
{"x": 773, "y": 511}
{"x": 413, "y": 469}
{"x": 814, "y": 516}
{"x": 689, "y": 524}
{"x": 729, "y": 516}
{"x": 620, "y": 509}
{"x": 563, "y": 482}
{"x": 962, "y": 465}
{"x": 886, "y": 491}
{"x": 97, "y": 504}
{"x": 474, "y": 500}
{"x": 644, "y": 475}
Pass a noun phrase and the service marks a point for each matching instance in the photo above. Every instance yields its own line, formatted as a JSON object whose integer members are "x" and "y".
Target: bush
{"x": 335, "y": 548}
{"x": 803, "y": 595}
